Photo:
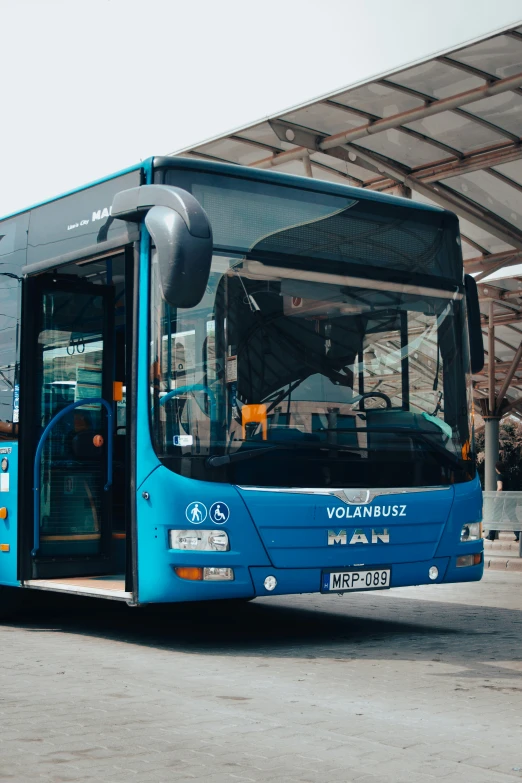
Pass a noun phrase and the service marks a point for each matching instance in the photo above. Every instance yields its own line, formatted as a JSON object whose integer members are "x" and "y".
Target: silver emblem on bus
{"x": 340, "y": 538}
{"x": 357, "y": 495}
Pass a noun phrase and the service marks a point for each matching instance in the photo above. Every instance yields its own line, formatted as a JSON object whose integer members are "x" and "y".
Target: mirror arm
{"x": 181, "y": 233}
{"x": 132, "y": 204}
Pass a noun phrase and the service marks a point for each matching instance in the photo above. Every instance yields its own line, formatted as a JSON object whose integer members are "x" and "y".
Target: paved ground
{"x": 413, "y": 685}
{"x": 503, "y": 554}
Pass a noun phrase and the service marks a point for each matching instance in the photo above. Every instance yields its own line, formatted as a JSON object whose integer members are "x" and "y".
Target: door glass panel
{"x": 74, "y": 463}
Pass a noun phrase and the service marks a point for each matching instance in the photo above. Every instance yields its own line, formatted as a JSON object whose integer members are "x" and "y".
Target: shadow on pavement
{"x": 309, "y": 627}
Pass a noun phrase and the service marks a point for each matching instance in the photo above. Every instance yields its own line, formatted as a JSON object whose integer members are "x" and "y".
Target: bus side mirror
{"x": 476, "y": 343}
{"x": 182, "y": 235}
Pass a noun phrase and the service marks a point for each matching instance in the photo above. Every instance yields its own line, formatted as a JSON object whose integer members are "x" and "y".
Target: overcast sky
{"x": 91, "y": 86}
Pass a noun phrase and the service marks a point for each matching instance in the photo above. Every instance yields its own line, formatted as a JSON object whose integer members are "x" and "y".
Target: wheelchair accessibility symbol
{"x": 196, "y": 512}
{"x": 219, "y": 513}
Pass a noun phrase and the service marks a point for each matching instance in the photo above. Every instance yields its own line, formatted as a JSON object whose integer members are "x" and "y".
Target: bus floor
{"x": 112, "y": 586}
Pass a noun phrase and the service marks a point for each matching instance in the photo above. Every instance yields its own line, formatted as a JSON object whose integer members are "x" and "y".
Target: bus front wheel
{"x": 10, "y": 601}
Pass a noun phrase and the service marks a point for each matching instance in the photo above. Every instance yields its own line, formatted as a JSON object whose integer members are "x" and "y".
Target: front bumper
{"x": 308, "y": 580}
{"x": 249, "y": 581}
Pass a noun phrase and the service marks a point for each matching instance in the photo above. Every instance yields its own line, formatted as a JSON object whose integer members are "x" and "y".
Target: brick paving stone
{"x": 411, "y": 685}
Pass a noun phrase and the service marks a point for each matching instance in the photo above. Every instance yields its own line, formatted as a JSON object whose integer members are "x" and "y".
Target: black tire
{"x": 10, "y": 602}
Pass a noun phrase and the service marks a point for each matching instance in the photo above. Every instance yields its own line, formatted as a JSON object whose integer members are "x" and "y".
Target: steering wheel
{"x": 382, "y": 395}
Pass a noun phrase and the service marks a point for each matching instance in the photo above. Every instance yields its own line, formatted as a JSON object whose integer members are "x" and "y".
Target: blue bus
{"x": 223, "y": 383}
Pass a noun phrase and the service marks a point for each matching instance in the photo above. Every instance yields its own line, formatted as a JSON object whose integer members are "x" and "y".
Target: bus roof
{"x": 246, "y": 172}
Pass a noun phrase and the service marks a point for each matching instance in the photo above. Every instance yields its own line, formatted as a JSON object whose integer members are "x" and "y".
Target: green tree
{"x": 510, "y": 453}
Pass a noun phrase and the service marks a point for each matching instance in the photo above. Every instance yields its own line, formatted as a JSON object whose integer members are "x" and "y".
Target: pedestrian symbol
{"x": 196, "y": 512}
{"x": 219, "y": 512}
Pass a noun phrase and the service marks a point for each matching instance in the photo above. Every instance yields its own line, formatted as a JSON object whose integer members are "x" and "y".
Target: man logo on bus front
{"x": 377, "y": 536}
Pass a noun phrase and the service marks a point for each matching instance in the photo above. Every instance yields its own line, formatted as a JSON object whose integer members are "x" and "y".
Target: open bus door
{"x": 69, "y": 425}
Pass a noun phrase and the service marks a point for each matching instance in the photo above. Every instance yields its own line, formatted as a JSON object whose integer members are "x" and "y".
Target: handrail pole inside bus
{"x": 38, "y": 456}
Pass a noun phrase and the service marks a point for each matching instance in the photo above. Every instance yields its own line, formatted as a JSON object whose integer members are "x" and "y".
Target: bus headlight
{"x": 471, "y": 531}
{"x": 199, "y": 540}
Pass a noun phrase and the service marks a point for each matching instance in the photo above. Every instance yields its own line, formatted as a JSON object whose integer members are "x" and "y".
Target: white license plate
{"x": 338, "y": 581}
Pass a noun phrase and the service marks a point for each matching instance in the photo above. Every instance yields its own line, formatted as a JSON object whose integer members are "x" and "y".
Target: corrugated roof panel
{"x": 378, "y": 100}
{"x": 468, "y": 251}
{"x": 331, "y": 175}
{"x": 264, "y": 134}
{"x": 504, "y": 110}
{"x": 325, "y": 118}
{"x": 500, "y": 56}
{"x": 345, "y": 168}
{"x": 489, "y": 242}
{"x": 512, "y": 170}
{"x": 233, "y": 151}
{"x": 437, "y": 79}
{"x": 481, "y": 238}
{"x": 294, "y": 167}
{"x": 508, "y": 336}
{"x": 457, "y": 131}
{"x": 503, "y": 274}
{"x": 403, "y": 148}
{"x": 496, "y": 196}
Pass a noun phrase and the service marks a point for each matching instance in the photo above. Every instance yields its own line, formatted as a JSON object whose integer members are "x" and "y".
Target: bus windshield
{"x": 311, "y": 363}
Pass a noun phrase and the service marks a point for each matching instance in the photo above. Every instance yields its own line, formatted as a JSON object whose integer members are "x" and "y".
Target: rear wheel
{"x": 10, "y": 602}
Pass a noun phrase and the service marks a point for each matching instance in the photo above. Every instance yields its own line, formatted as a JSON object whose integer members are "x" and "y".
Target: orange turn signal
{"x": 4, "y": 547}
{"x": 3, "y": 513}
{"x": 477, "y": 559}
{"x": 193, "y": 574}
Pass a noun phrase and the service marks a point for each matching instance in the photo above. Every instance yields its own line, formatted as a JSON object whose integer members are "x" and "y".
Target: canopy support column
{"x": 491, "y": 448}
{"x": 491, "y": 359}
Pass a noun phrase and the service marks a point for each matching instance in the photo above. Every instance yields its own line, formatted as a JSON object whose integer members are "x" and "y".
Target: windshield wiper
{"x": 424, "y": 437}
{"x": 216, "y": 461}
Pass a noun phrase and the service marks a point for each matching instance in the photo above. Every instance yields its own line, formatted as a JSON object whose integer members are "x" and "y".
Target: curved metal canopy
{"x": 447, "y": 130}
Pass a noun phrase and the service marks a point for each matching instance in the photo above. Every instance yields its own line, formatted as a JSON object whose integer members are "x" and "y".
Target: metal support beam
{"x": 489, "y": 263}
{"x": 514, "y": 404}
{"x": 483, "y": 251}
{"x": 400, "y": 190}
{"x": 446, "y": 198}
{"x": 487, "y": 272}
{"x": 387, "y": 123}
{"x": 427, "y": 99}
{"x": 485, "y": 384}
{"x": 307, "y": 166}
{"x": 420, "y": 113}
{"x": 499, "y": 366}
{"x": 487, "y": 291}
{"x": 505, "y": 320}
{"x": 509, "y": 376}
{"x": 474, "y": 161}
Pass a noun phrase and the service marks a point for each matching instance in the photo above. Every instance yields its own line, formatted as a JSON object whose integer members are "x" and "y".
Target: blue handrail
{"x": 38, "y": 456}
{"x": 193, "y": 387}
